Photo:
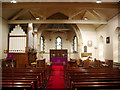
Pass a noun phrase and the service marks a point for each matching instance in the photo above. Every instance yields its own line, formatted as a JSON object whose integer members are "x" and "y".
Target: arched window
{"x": 58, "y": 43}
{"x": 42, "y": 42}
{"x": 75, "y": 44}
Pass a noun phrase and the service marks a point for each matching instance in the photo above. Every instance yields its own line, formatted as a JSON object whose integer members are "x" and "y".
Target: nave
{"x": 60, "y": 45}
{"x": 85, "y": 75}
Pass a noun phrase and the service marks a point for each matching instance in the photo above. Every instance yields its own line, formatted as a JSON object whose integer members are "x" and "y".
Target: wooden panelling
{"x": 32, "y": 57}
{"x": 21, "y": 59}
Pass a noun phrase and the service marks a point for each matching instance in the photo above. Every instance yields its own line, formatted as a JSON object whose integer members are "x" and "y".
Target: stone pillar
{"x": 119, "y": 45}
{"x": 1, "y": 30}
{"x": 35, "y": 39}
{"x": 30, "y": 36}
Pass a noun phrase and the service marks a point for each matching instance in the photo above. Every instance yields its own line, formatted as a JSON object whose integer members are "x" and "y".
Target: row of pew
{"x": 80, "y": 78}
{"x": 25, "y": 78}
{"x": 91, "y": 63}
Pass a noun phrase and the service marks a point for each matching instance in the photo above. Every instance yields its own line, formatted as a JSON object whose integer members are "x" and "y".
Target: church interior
{"x": 60, "y": 45}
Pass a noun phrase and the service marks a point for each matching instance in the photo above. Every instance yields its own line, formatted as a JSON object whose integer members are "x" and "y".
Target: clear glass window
{"x": 42, "y": 43}
{"x": 75, "y": 44}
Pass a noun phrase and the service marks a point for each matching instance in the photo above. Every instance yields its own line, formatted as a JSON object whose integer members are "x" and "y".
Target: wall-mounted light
{"x": 98, "y": 1}
{"x": 89, "y": 43}
{"x": 85, "y": 18}
{"x": 30, "y": 26}
{"x": 13, "y": 1}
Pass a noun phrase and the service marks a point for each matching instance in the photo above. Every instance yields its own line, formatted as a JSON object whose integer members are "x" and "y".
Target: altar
{"x": 58, "y": 57}
{"x": 58, "y": 60}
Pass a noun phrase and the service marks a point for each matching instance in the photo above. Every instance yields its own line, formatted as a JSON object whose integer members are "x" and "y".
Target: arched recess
{"x": 101, "y": 48}
{"x": 60, "y": 16}
{"x": 40, "y": 30}
{"x": 79, "y": 37}
{"x": 77, "y": 32}
{"x": 116, "y": 46}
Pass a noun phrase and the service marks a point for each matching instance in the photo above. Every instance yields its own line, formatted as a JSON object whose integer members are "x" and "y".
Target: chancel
{"x": 51, "y": 45}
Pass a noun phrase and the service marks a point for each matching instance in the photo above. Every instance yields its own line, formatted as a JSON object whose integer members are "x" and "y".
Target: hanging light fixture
{"x": 37, "y": 18}
{"x": 98, "y": 1}
{"x": 85, "y": 18}
{"x": 13, "y": 1}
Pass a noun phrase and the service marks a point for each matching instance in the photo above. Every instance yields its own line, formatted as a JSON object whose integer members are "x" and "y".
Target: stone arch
{"x": 79, "y": 37}
{"x": 77, "y": 32}
{"x": 116, "y": 39}
{"x": 101, "y": 48}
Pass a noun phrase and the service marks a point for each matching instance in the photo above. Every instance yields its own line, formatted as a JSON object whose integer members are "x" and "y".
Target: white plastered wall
{"x": 0, "y": 38}
{"x": 88, "y": 33}
{"x": 91, "y": 33}
{"x": 101, "y": 33}
{"x": 0, "y": 30}
{"x": 109, "y": 30}
{"x": 5, "y": 31}
{"x": 67, "y": 43}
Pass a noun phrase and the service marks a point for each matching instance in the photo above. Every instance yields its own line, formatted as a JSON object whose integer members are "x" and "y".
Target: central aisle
{"x": 56, "y": 81}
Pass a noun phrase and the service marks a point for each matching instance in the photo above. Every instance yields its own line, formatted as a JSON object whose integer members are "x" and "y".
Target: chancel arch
{"x": 66, "y": 32}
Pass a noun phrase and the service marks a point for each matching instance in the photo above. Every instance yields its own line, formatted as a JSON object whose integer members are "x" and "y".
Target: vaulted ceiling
{"x": 59, "y": 13}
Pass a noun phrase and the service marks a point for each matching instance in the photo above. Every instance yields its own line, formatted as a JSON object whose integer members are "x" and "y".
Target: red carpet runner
{"x": 56, "y": 81}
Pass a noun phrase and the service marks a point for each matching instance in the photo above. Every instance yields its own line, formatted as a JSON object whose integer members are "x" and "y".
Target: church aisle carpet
{"x": 56, "y": 81}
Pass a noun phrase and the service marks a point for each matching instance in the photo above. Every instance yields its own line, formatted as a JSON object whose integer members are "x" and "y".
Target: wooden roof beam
{"x": 87, "y": 5}
{"x": 76, "y": 13}
{"x": 57, "y": 21}
{"x": 95, "y": 15}
{"x": 23, "y": 11}
{"x": 36, "y": 14}
{"x": 100, "y": 14}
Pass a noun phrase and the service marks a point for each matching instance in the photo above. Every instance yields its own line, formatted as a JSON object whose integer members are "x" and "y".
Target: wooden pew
{"x": 23, "y": 72}
{"x": 86, "y": 63}
{"x": 23, "y": 77}
{"x": 96, "y": 85}
{"x": 93, "y": 78}
{"x": 109, "y": 63}
{"x": 45, "y": 72}
{"x": 29, "y": 85}
{"x": 36, "y": 75}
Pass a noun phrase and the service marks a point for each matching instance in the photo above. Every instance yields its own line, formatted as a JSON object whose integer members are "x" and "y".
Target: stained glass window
{"x": 58, "y": 43}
